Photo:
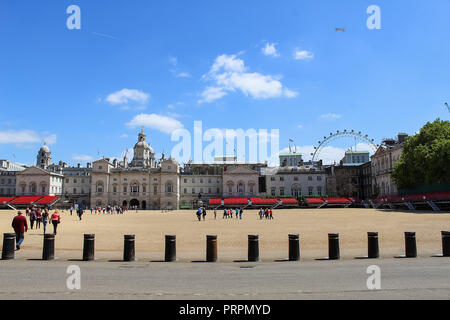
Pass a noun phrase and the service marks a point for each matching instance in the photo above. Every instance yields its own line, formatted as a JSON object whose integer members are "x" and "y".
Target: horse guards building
{"x": 148, "y": 183}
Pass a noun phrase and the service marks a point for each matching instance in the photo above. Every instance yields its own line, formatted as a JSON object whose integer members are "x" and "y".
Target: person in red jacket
{"x": 20, "y": 226}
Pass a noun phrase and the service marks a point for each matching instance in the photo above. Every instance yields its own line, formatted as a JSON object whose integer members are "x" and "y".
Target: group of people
{"x": 228, "y": 213}
{"x": 109, "y": 210}
{"x": 201, "y": 212}
{"x": 265, "y": 213}
{"x": 20, "y": 223}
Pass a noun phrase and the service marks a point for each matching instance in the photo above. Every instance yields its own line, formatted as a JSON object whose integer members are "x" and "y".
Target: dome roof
{"x": 45, "y": 148}
{"x": 143, "y": 145}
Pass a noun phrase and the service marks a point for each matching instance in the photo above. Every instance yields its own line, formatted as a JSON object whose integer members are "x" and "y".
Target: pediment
{"x": 240, "y": 170}
{"x": 33, "y": 171}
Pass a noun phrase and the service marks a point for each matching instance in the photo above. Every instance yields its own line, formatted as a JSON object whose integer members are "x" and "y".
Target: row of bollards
{"x": 48, "y": 252}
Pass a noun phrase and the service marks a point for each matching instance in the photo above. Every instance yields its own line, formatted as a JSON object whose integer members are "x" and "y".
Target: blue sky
{"x": 182, "y": 61}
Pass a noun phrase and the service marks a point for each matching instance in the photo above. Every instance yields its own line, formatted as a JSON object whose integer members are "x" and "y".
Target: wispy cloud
{"x": 270, "y": 50}
{"x": 104, "y": 35}
{"x": 128, "y": 95}
{"x": 303, "y": 55}
{"x": 82, "y": 157}
{"x": 157, "y": 122}
{"x": 228, "y": 73}
{"x": 26, "y": 137}
{"x": 330, "y": 116}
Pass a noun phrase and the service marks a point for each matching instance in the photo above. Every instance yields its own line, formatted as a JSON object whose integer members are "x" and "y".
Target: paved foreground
{"x": 422, "y": 278}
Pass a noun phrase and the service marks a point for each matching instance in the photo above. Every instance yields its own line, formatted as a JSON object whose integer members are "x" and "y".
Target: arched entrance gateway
{"x": 124, "y": 203}
{"x": 134, "y": 203}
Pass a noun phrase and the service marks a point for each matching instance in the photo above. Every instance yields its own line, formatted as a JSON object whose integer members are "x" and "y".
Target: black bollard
{"x": 253, "y": 248}
{"x": 48, "y": 250}
{"x": 89, "y": 248}
{"x": 171, "y": 251}
{"x": 211, "y": 248}
{"x": 372, "y": 247}
{"x": 410, "y": 245}
{"x": 128, "y": 247}
{"x": 294, "y": 247}
{"x": 445, "y": 243}
{"x": 333, "y": 246}
{"x": 9, "y": 240}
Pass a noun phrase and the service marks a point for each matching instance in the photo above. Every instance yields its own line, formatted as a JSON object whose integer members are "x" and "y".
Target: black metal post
{"x": 128, "y": 247}
{"x": 211, "y": 248}
{"x": 89, "y": 247}
{"x": 333, "y": 246}
{"x": 373, "y": 248}
{"x": 9, "y": 240}
{"x": 253, "y": 248}
{"x": 48, "y": 250}
{"x": 410, "y": 245}
{"x": 294, "y": 247}
{"x": 171, "y": 251}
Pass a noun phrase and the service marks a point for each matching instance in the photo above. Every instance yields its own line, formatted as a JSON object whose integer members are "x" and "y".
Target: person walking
{"x": 38, "y": 218}
{"x": 260, "y": 214}
{"x": 270, "y": 214}
{"x": 204, "y": 213}
{"x": 45, "y": 217}
{"x": 20, "y": 226}
{"x": 56, "y": 219}
{"x": 224, "y": 213}
{"x": 240, "y": 213}
{"x": 71, "y": 209}
{"x": 215, "y": 214}
{"x": 80, "y": 212}
{"x": 32, "y": 217}
{"x": 199, "y": 214}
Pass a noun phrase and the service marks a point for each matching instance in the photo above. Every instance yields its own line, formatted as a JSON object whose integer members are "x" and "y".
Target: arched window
{"x": 240, "y": 188}
{"x": 169, "y": 187}
{"x": 99, "y": 187}
{"x": 134, "y": 188}
{"x": 32, "y": 187}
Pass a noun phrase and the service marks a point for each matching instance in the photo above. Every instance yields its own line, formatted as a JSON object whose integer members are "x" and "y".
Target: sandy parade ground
{"x": 313, "y": 225}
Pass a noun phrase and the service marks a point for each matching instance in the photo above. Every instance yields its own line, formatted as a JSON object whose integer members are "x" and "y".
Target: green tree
{"x": 425, "y": 160}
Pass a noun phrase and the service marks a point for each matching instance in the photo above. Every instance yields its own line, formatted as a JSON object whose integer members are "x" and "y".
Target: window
{"x": 82, "y": 180}
{"x": 218, "y": 190}
{"x": 209, "y": 180}
{"x": 281, "y": 191}
{"x": 201, "y": 180}
{"x": 43, "y": 189}
{"x": 155, "y": 189}
{"x": 319, "y": 191}
{"x": 272, "y": 191}
{"x": 114, "y": 189}
{"x": 125, "y": 189}
{"x": 295, "y": 178}
{"x": 74, "y": 190}
{"x": 272, "y": 178}
{"x": 185, "y": 180}
{"x": 185, "y": 190}
{"x": 319, "y": 178}
{"x": 193, "y": 180}
{"x": 193, "y": 190}
{"x": 144, "y": 189}
{"x": 67, "y": 180}
{"x": 310, "y": 178}
{"x": 281, "y": 178}
{"x": 100, "y": 167}
{"x": 169, "y": 167}
{"x": 209, "y": 190}
{"x": 310, "y": 191}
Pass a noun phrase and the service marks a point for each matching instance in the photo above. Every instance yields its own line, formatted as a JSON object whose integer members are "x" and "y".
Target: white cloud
{"x": 300, "y": 126}
{"x": 212, "y": 93}
{"x": 82, "y": 157}
{"x": 123, "y": 136}
{"x": 183, "y": 75}
{"x": 155, "y": 121}
{"x": 125, "y": 96}
{"x": 26, "y": 136}
{"x": 330, "y": 116}
{"x": 303, "y": 55}
{"x": 229, "y": 74}
{"x": 270, "y": 50}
